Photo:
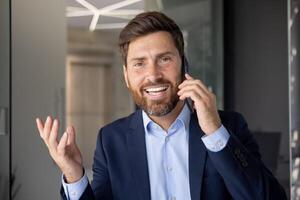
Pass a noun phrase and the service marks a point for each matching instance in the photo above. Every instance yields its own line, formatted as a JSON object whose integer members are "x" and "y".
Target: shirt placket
{"x": 168, "y": 168}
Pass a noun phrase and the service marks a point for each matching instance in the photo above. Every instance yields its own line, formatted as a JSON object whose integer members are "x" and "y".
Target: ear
{"x": 125, "y": 73}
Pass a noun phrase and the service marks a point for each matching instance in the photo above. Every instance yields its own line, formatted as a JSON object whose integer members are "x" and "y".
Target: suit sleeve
{"x": 101, "y": 185}
{"x": 241, "y": 168}
{"x": 100, "y": 188}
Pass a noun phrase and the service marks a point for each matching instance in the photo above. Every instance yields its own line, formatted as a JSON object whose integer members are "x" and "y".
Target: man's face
{"x": 153, "y": 72}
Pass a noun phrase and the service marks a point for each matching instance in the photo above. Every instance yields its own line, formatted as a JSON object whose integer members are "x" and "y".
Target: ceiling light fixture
{"x": 79, "y": 12}
{"x": 106, "y": 11}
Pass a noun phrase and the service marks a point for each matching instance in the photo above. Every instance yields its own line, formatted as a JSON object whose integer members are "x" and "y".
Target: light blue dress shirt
{"x": 74, "y": 191}
{"x": 167, "y": 155}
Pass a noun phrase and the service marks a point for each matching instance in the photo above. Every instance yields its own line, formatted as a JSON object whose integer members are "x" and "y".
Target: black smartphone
{"x": 185, "y": 70}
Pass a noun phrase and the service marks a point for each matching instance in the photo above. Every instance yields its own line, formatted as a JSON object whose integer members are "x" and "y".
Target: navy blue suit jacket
{"x": 121, "y": 171}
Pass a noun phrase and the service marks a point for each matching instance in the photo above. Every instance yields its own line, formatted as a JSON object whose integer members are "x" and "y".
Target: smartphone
{"x": 185, "y": 70}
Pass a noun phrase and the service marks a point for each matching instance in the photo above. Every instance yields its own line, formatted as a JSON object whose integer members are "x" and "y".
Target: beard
{"x": 156, "y": 107}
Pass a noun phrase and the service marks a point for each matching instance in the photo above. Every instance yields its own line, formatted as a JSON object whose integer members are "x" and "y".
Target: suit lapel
{"x": 197, "y": 158}
{"x": 138, "y": 156}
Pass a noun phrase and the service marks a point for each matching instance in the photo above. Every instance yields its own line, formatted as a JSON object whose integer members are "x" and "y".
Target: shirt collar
{"x": 183, "y": 117}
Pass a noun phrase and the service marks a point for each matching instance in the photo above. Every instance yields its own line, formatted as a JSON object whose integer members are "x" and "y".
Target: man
{"x": 164, "y": 151}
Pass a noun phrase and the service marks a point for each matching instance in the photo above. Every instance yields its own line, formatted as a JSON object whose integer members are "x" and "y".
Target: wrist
{"x": 73, "y": 176}
{"x": 208, "y": 130}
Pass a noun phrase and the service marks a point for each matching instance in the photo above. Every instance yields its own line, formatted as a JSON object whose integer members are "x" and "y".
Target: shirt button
{"x": 167, "y": 139}
{"x": 170, "y": 169}
{"x": 74, "y": 193}
{"x": 219, "y": 143}
{"x": 173, "y": 198}
{"x": 213, "y": 147}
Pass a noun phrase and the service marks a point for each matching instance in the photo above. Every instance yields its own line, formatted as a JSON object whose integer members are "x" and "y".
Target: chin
{"x": 160, "y": 108}
{"x": 158, "y": 111}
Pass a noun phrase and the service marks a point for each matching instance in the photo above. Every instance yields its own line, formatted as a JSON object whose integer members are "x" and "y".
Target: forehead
{"x": 151, "y": 44}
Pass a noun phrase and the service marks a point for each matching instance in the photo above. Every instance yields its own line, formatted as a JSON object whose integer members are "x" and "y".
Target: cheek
{"x": 175, "y": 77}
{"x": 135, "y": 81}
{"x": 173, "y": 72}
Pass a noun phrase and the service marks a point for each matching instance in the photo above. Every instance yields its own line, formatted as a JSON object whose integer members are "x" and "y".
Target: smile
{"x": 156, "y": 89}
{"x": 158, "y": 92}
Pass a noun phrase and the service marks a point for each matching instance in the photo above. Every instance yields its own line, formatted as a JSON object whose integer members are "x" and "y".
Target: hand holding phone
{"x": 199, "y": 99}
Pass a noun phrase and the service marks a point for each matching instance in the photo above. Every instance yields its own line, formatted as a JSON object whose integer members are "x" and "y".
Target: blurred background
{"x": 61, "y": 58}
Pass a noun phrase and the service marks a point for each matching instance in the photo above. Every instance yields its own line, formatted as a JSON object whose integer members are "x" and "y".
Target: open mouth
{"x": 156, "y": 89}
{"x": 156, "y": 92}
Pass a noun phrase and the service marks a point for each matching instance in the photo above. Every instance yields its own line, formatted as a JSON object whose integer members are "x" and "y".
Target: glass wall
{"x": 203, "y": 32}
{"x": 4, "y": 99}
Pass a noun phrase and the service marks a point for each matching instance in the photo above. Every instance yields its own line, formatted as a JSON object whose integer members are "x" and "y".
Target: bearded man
{"x": 167, "y": 149}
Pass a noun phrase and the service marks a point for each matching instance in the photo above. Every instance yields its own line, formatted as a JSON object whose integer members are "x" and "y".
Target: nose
{"x": 154, "y": 72}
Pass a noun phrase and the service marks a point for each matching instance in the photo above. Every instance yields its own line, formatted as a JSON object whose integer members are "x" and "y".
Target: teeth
{"x": 157, "y": 89}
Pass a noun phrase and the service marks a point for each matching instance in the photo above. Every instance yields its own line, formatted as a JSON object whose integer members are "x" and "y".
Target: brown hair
{"x": 146, "y": 23}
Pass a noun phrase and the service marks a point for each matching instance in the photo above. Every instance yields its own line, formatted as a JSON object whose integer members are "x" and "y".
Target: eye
{"x": 165, "y": 59}
{"x": 138, "y": 64}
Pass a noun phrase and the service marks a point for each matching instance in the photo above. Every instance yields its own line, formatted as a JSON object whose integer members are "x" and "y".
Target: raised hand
{"x": 65, "y": 153}
{"x": 204, "y": 103}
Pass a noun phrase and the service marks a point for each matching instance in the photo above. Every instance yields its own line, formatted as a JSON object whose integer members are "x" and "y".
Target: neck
{"x": 165, "y": 121}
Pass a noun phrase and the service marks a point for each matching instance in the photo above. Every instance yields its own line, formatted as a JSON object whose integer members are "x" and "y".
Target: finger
{"x": 199, "y": 90}
{"x": 71, "y": 138}
{"x": 188, "y": 77}
{"x": 47, "y": 128}
{"x": 193, "y": 95}
{"x": 53, "y": 134}
{"x": 194, "y": 81}
{"x": 62, "y": 144}
{"x": 40, "y": 126}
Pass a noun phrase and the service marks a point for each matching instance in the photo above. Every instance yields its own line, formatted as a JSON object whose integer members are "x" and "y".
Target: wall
{"x": 256, "y": 57}
{"x": 38, "y": 79}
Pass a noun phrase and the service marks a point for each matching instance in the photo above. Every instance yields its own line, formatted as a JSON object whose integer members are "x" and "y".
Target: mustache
{"x": 160, "y": 81}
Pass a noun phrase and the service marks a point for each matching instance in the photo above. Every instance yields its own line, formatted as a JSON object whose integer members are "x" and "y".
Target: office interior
{"x": 61, "y": 58}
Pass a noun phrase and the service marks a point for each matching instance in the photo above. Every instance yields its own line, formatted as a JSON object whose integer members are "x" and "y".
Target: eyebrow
{"x": 158, "y": 55}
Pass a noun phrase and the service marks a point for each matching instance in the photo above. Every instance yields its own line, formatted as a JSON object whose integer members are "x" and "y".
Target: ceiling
{"x": 115, "y": 14}
{"x": 101, "y": 14}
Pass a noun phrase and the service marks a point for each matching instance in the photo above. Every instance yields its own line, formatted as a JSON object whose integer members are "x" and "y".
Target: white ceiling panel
{"x": 101, "y": 14}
